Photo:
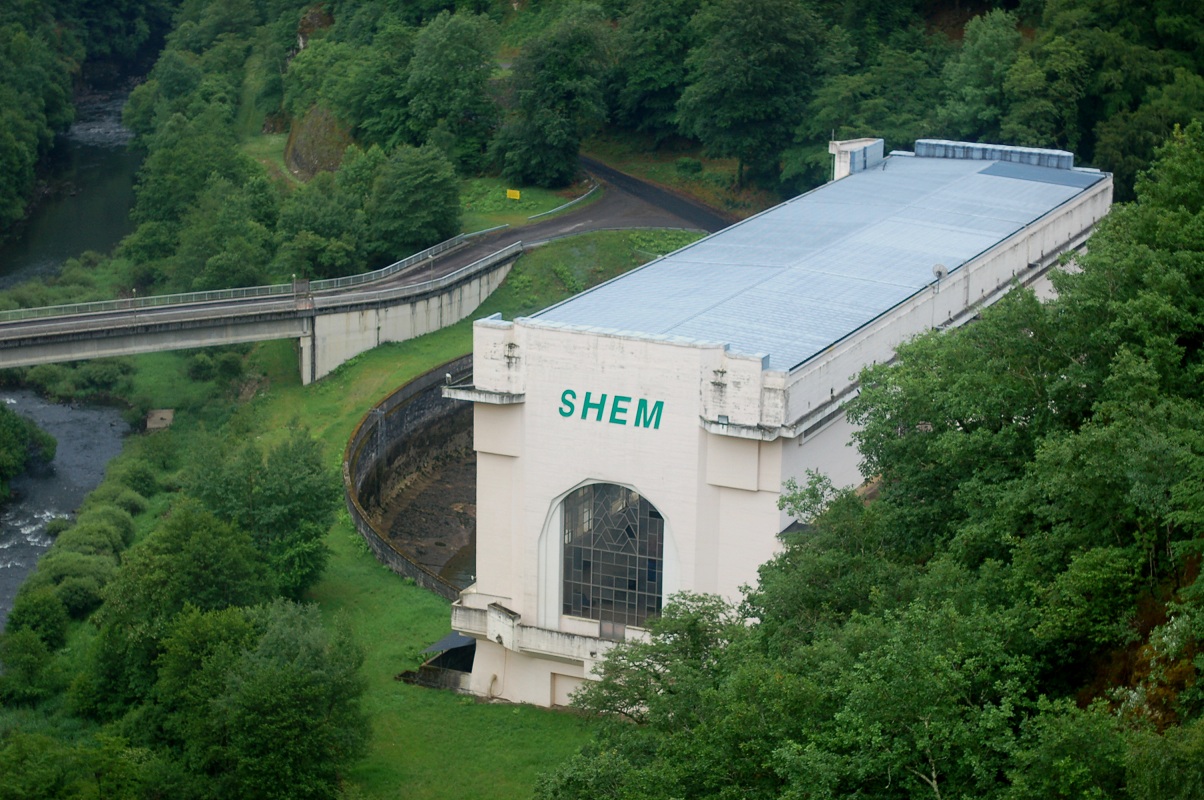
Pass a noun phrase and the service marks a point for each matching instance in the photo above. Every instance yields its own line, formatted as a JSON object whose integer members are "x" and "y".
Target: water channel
{"x": 93, "y": 171}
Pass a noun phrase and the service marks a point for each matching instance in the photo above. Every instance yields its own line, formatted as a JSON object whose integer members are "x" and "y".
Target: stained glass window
{"x": 612, "y": 556}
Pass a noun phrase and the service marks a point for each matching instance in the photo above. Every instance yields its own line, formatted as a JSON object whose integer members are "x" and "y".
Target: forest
{"x": 1015, "y": 614}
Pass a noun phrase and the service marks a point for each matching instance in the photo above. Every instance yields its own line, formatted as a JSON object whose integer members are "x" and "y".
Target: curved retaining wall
{"x": 398, "y": 430}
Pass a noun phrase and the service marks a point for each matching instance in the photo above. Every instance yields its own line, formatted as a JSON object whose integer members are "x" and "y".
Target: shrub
{"x": 92, "y": 539}
{"x": 103, "y": 374}
{"x": 54, "y": 380}
{"x": 115, "y": 494}
{"x": 229, "y": 366}
{"x": 200, "y": 367}
{"x": 688, "y": 166}
{"x": 57, "y": 525}
{"x": 79, "y": 595}
{"x": 113, "y": 516}
{"x": 40, "y": 610}
{"x": 56, "y": 566}
{"x": 137, "y": 474}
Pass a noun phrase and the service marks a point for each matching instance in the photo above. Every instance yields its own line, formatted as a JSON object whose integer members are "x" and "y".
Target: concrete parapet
{"x": 383, "y": 438}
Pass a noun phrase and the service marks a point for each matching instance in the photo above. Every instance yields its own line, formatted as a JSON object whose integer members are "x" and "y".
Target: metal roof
{"x": 792, "y": 280}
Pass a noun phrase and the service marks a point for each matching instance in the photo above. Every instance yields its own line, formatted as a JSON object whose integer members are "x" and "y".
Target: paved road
{"x": 626, "y": 203}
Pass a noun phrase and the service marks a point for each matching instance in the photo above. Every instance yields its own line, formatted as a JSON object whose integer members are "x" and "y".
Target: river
{"x": 96, "y": 169}
{"x": 93, "y": 171}
{"x": 87, "y": 439}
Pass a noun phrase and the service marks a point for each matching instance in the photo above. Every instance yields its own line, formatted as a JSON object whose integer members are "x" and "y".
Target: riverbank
{"x": 88, "y": 438}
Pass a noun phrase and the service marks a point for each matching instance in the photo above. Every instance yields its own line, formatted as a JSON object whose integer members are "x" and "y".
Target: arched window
{"x": 612, "y": 556}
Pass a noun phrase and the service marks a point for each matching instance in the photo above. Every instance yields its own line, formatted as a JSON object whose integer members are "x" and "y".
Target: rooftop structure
{"x": 792, "y": 281}
{"x": 633, "y": 441}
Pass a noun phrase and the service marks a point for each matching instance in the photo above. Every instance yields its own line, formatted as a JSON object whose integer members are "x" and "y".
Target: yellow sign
{"x": 513, "y": 194}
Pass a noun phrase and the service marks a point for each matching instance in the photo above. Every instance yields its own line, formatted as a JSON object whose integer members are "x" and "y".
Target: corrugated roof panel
{"x": 791, "y": 281}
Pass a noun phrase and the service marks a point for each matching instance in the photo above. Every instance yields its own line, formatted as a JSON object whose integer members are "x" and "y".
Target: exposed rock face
{"x": 316, "y": 143}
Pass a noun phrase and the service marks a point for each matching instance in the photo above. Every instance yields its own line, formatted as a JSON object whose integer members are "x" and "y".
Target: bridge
{"x": 332, "y": 320}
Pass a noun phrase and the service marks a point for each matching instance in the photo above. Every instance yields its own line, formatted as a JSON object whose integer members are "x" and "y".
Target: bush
{"x": 40, "y": 610}
{"x": 92, "y": 539}
{"x": 57, "y": 525}
{"x": 79, "y": 595}
{"x": 53, "y": 380}
{"x": 200, "y": 367}
{"x": 103, "y": 374}
{"x": 113, "y": 516}
{"x": 56, "y": 566}
{"x": 688, "y": 166}
{"x": 229, "y": 366}
{"x": 115, "y": 494}
{"x": 138, "y": 475}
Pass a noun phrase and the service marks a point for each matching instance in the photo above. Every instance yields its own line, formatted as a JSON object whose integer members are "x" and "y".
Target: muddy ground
{"x": 434, "y": 518}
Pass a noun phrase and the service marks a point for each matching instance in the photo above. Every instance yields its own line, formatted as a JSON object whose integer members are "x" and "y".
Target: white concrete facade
{"x": 704, "y": 433}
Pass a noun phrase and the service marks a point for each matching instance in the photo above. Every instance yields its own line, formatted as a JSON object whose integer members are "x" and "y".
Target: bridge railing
{"x": 398, "y": 266}
{"x": 410, "y": 289}
{"x": 219, "y": 295}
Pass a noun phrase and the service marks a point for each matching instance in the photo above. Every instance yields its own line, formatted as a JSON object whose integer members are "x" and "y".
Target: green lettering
{"x": 649, "y": 418}
{"x": 587, "y": 405}
{"x": 566, "y": 402}
{"x": 618, "y": 410}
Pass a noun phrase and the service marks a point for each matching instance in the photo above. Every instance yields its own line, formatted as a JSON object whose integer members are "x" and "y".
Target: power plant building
{"x": 633, "y": 440}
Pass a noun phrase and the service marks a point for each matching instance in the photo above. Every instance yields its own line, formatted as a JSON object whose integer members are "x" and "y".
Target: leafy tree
{"x": 1043, "y": 95}
{"x": 39, "y": 609}
{"x": 320, "y": 230}
{"x": 1127, "y": 140}
{"x": 22, "y": 443}
{"x": 35, "y": 101}
{"x": 749, "y": 79}
{"x": 384, "y": 70}
{"x": 191, "y": 559}
{"x": 284, "y": 500}
{"x": 264, "y": 701}
{"x": 1067, "y": 752}
{"x": 184, "y": 155}
{"x": 415, "y": 203}
{"x": 448, "y": 84}
{"x": 25, "y": 658}
{"x": 650, "y": 64}
{"x": 558, "y": 89}
{"x": 976, "y": 78}
{"x": 894, "y": 96}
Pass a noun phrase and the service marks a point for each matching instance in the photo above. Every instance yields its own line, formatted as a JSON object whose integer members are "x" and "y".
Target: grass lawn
{"x": 268, "y": 150}
{"x": 485, "y": 204}
{"x": 428, "y": 743}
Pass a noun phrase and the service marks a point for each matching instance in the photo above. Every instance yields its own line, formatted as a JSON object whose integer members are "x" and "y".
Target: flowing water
{"x": 87, "y": 439}
{"x": 94, "y": 170}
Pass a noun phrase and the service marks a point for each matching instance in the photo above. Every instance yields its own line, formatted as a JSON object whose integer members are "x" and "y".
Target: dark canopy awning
{"x": 450, "y": 642}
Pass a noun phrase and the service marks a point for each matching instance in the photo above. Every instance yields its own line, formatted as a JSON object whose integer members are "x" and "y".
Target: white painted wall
{"x": 340, "y": 335}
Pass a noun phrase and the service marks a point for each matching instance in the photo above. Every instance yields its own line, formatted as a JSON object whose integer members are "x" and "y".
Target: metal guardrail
{"x": 220, "y": 295}
{"x": 570, "y": 203}
{"x": 426, "y": 286}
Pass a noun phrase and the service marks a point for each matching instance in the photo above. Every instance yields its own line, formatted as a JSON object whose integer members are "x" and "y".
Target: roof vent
{"x": 974, "y": 151}
{"x": 854, "y": 155}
